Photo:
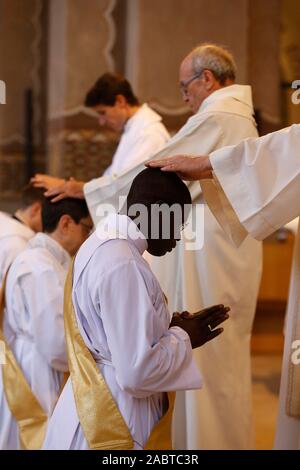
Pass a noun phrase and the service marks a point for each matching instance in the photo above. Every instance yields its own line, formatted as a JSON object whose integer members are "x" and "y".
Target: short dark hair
{"x": 152, "y": 186}
{"x": 30, "y": 195}
{"x": 106, "y": 89}
{"x": 53, "y": 211}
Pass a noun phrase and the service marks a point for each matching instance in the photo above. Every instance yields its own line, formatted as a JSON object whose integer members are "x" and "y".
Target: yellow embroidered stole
{"x": 31, "y": 418}
{"x": 100, "y": 418}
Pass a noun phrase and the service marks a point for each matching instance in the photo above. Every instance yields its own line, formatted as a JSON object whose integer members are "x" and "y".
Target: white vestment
{"x": 260, "y": 180}
{"x": 124, "y": 321}
{"x": 217, "y": 273}
{"x": 35, "y": 327}
{"x": 14, "y": 236}
{"x": 143, "y": 135}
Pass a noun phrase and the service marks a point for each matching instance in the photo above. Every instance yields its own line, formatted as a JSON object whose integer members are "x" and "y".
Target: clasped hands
{"x": 201, "y": 326}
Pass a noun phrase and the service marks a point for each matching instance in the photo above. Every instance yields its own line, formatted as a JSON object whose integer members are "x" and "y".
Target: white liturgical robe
{"x": 124, "y": 321}
{"x": 35, "y": 326}
{"x": 214, "y": 273}
{"x": 260, "y": 180}
{"x": 14, "y": 236}
{"x": 218, "y": 272}
{"x": 144, "y": 134}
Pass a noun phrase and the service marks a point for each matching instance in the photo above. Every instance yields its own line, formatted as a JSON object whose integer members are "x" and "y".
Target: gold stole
{"x": 99, "y": 416}
{"x": 31, "y": 418}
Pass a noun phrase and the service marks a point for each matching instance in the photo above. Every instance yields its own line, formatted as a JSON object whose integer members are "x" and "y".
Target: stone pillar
{"x": 80, "y": 41}
{"x": 21, "y": 67}
{"x": 161, "y": 33}
{"x": 59, "y": 48}
{"x": 263, "y": 61}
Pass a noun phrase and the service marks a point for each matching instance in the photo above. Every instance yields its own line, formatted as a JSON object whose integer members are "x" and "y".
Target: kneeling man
{"x": 125, "y": 351}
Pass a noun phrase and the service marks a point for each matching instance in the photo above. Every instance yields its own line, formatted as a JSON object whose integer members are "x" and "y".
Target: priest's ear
{"x": 209, "y": 79}
{"x": 35, "y": 216}
{"x": 64, "y": 224}
{"x": 121, "y": 101}
{"x": 35, "y": 208}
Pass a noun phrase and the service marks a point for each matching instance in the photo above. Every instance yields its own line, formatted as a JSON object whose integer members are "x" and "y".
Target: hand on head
{"x": 58, "y": 188}
{"x": 47, "y": 182}
{"x": 187, "y": 167}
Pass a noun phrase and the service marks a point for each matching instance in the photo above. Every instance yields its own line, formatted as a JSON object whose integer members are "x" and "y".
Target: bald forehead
{"x": 186, "y": 67}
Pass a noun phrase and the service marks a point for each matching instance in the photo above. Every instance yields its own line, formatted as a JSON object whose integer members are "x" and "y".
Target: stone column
{"x": 80, "y": 41}
{"x": 263, "y": 61}
{"x": 161, "y": 33}
{"x": 21, "y": 67}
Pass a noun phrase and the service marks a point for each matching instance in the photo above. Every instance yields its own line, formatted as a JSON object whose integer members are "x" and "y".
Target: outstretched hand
{"x": 187, "y": 168}
{"x": 46, "y": 181}
{"x": 71, "y": 188}
{"x": 201, "y": 326}
{"x": 58, "y": 188}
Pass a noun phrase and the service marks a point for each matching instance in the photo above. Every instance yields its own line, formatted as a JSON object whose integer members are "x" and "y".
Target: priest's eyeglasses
{"x": 87, "y": 228}
{"x": 185, "y": 83}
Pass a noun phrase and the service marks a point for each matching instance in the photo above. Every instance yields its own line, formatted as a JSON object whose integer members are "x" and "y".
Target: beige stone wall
{"x": 263, "y": 60}
{"x": 80, "y": 41}
{"x": 21, "y": 67}
{"x": 17, "y": 61}
{"x": 60, "y": 47}
{"x": 161, "y": 33}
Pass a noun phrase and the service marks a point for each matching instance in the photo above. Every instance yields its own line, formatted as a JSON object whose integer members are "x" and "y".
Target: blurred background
{"x": 51, "y": 53}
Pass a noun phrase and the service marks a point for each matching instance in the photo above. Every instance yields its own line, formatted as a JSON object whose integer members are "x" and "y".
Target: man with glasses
{"x": 220, "y": 415}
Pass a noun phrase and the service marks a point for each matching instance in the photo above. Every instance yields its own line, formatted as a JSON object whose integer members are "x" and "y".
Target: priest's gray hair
{"x": 215, "y": 58}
